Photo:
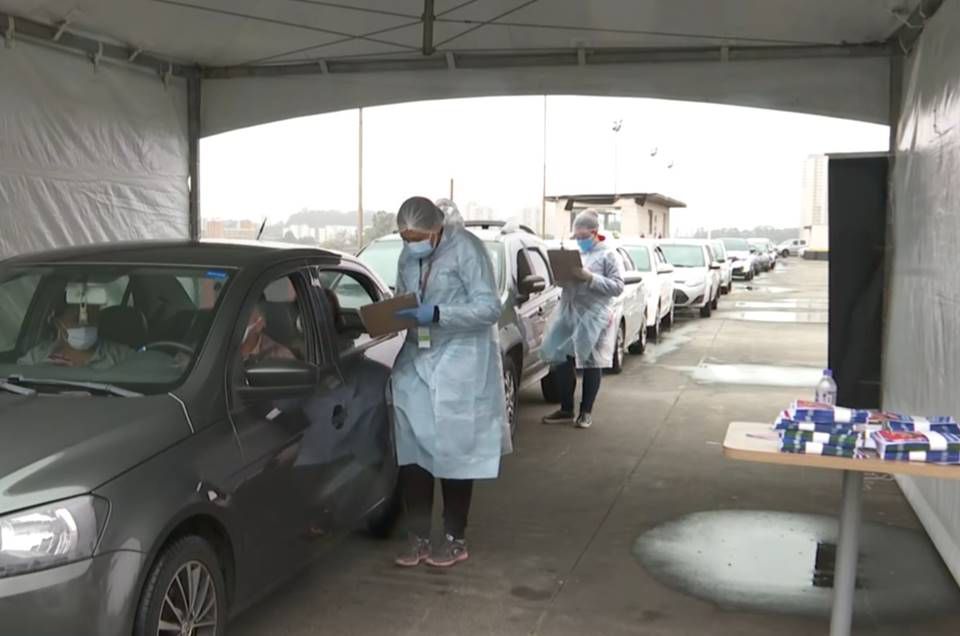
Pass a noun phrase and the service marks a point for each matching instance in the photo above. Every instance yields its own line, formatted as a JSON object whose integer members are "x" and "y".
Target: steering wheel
{"x": 170, "y": 344}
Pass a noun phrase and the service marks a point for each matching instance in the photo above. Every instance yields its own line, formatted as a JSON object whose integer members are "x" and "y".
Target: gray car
{"x": 184, "y": 426}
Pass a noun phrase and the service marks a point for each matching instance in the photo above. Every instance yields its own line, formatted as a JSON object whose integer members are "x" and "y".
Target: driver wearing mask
{"x": 78, "y": 342}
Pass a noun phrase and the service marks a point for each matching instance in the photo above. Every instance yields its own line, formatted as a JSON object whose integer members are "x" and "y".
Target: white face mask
{"x": 82, "y": 338}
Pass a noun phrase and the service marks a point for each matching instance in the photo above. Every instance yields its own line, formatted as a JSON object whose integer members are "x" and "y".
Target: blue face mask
{"x": 585, "y": 245}
{"x": 421, "y": 249}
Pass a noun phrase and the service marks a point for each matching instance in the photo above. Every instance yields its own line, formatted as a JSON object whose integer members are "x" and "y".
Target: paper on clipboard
{"x": 565, "y": 264}
{"x": 379, "y": 319}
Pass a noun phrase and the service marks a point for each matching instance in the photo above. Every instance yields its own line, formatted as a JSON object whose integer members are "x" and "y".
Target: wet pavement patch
{"x": 782, "y": 563}
{"x": 755, "y": 375}
{"x": 808, "y": 317}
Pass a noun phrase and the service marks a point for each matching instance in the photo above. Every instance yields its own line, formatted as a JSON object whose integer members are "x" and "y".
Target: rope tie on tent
{"x": 60, "y": 30}
{"x": 10, "y": 32}
{"x": 134, "y": 54}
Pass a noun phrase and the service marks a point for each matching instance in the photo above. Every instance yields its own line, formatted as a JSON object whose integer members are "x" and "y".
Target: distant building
{"x": 230, "y": 229}
{"x": 814, "y": 226}
{"x": 634, "y": 214}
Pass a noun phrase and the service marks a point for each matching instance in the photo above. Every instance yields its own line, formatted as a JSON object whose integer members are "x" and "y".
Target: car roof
{"x": 229, "y": 254}
{"x": 492, "y": 233}
{"x": 700, "y": 242}
{"x": 631, "y": 241}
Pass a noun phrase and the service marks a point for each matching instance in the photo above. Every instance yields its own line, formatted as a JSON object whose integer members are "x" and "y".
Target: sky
{"x": 733, "y": 166}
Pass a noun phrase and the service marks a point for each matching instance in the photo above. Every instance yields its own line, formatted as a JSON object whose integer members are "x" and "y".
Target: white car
{"x": 646, "y": 257}
{"x": 726, "y": 268}
{"x": 742, "y": 262}
{"x": 696, "y": 277}
{"x": 791, "y": 247}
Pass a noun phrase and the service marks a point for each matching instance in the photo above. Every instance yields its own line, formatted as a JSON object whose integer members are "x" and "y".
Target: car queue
{"x": 238, "y": 384}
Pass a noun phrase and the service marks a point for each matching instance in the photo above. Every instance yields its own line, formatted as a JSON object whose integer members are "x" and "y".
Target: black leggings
{"x": 416, "y": 485}
{"x": 566, "y": 375}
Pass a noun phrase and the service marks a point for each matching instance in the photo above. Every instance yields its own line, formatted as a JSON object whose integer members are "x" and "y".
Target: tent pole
{"x": 194, "y": 101}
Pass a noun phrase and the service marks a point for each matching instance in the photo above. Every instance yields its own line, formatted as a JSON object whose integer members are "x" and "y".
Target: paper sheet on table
{"x": 564, "y": 264}
{"x": 379, "y": 319}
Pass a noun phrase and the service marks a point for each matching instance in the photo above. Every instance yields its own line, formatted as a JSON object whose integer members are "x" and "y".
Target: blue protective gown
{"x": 583, "y": 325}
{"x": 449, "y": 399}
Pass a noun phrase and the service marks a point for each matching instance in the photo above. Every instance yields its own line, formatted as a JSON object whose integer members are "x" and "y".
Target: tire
{"x": 548, "y": 387}
{"x": 668, "y": 319}
{"x": 705, "y": 311}
{"x": 511, "y": 392}
{"x": 187, "y": 557}
{"x": 730, "y": 286}
{"x": 639, "y": 347}
{"x": 716, "y": 301}
{"x": 383, "y": 521}
{"x": 653, "y": 333}
{"x": 619, "y": 348}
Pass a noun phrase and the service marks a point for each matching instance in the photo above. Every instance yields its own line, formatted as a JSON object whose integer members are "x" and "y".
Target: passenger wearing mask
{"x": 448, "y": 393}
{"x": 77, "y": 342}
{"x": 582, "y": 334}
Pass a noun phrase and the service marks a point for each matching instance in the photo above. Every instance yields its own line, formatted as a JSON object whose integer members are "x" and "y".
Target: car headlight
{"x": 50, "y": 535}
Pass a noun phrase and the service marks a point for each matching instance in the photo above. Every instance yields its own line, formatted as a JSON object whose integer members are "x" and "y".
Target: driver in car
{"x": 77, "y": 342}
{"x": 256, "y": 345}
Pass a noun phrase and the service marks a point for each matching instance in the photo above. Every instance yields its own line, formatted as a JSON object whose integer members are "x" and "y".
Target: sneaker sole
{"x": 409, "y": 564}
{"x": 555, "y": 422}
{"x": 448, "y": 564}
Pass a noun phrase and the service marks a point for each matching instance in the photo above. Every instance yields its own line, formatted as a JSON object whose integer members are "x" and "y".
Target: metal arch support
{"x": 428, "y": 21}
{"x": 194, "y": 112}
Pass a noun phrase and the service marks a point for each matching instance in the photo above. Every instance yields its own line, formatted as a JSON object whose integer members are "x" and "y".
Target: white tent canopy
{"x": 310, "y": 56}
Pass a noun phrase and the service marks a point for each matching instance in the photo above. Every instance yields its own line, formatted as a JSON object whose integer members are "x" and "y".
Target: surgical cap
{"x": 419, "y": 213}
{"x": 587, "y": 220}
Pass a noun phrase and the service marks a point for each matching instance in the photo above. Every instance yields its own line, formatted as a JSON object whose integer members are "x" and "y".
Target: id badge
{"x": 423, "y": 337}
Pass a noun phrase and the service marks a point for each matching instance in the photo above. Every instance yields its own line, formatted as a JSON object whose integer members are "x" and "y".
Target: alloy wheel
{"x": 510, "y": 394}
{"x": 190, "y": 605}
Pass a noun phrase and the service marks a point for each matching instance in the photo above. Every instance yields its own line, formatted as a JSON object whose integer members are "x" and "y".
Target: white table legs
{"x": 848, "y": 545}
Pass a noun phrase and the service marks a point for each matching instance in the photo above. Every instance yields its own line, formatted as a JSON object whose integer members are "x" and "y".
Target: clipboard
{"x": 379, "y": 319}
{"x": 564, "y": 264}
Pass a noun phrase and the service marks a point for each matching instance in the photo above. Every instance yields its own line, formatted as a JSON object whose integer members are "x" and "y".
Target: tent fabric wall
{"x": 854, "y": 88}
{"x": 87, "y": 155}
{"x": 922, "y": 341}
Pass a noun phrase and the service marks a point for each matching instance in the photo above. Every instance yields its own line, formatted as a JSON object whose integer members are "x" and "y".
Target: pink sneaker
{"x": 451, "y": 552}
{"x": 417, "y": 551}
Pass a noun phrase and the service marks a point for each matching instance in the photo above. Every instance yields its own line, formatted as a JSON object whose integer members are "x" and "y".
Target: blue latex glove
{"x": 423, "y": 314}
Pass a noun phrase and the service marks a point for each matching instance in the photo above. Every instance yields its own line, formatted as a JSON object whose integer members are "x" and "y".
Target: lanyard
{"x": 424, "y": 276}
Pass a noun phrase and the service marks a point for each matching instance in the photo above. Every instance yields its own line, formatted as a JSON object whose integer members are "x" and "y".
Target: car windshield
{"x": 641, "y": 257}
{"x": 382, "y": 257}
{"x": 719, "y": 250}
{"x": 684, "y": 255}
{"x": 736, "y": 245}
{"x": 104, "y": 327}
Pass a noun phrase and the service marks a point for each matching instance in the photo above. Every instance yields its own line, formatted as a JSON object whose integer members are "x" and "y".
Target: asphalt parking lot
{"x": 640, "y": 525}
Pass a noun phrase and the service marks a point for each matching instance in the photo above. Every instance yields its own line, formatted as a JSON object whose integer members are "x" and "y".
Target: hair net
{"x": 587, "y": 220}
{"x": 419, "y": 213}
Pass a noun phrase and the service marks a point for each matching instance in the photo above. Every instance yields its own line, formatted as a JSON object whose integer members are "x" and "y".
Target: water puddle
{"x": 802, "y": 317}
{"x": 670, "y": 341}
{"x": 782, "y": 303}
{"x": 781, "y": 562}
{"x": 755, "y": 375}
{"x": 768, "y": 289}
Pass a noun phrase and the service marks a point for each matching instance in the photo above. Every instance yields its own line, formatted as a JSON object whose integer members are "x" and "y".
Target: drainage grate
{"x": 823, "y": 567}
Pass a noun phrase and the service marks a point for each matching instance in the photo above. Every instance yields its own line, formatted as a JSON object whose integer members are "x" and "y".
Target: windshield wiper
{"x": 100, "y": 387}
{"x": 17, "y": 390}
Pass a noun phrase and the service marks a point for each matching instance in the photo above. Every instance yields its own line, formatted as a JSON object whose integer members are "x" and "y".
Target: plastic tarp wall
{"x": 87, "y": 155}
{"x": 922, "y": 343}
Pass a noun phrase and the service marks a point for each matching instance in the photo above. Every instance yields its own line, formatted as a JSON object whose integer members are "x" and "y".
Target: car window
{"x": 72, "y": 322}
{"x": 628, "y": 265}
{"x": 641, "y": 257}
{"x": 684, "y": 255}
{"x": 345, "y": 293}
{"x": 273, "y": 325}
{"x": 736, "y": 244}
{"x": 383, "y": 257}
{"x": 539, "y": 264}
{"x": 15, "y": 296}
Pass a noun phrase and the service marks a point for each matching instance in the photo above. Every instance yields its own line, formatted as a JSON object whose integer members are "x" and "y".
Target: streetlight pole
{"x": 617, "y": 125}
{"x": 543, "y": 196}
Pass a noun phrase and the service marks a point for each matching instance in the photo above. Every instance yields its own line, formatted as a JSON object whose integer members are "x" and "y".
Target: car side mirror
{"x": 632, "y": 278}
{"x": 753, "y": 250}
{"x": 294, "y": 376}
{"x": 665, "y": 269}
{"x": 529, "y": 285}
{"x": 714, "y": 265}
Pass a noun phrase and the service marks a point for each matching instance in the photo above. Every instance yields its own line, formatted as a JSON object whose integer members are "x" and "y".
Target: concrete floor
{"x": 553, "y": 541}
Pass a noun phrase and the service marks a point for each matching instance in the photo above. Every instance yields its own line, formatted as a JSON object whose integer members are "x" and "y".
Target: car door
{"x": 634, "y": 298}
{"x": 357, "y": 456}
{"x": 275, "y": 495}
{"x": 541, "y": 306}
{"x": 664, "y": 273}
